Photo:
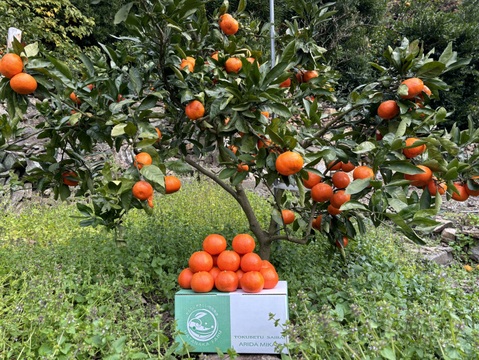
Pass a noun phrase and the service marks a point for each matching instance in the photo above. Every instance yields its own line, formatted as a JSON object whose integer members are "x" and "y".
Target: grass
{"x": 70, "y": 293}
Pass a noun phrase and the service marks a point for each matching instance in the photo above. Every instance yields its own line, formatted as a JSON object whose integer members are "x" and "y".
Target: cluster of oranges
{"x": 11, "y": 66}
{"x": 216, "y": 267}
{"x": 143, "y": 190}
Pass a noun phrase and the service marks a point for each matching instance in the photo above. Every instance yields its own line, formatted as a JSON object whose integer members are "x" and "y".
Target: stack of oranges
{"x": 216, "y": 267}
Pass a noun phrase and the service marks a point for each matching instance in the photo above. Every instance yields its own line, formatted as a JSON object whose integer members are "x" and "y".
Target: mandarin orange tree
{"x": 277, "y": 119}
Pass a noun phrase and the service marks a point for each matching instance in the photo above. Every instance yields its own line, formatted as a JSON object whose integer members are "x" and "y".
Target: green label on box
{"x": 205, "y": 322}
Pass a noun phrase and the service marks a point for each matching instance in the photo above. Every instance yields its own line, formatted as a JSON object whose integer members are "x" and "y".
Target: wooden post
{"x": 13, "y": 33}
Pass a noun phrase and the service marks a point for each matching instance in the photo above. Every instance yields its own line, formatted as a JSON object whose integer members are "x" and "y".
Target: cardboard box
{"x": 238, "y": 320}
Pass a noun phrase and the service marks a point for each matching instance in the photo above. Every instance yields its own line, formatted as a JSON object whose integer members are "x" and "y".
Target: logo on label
{"x": 202, "y": 325}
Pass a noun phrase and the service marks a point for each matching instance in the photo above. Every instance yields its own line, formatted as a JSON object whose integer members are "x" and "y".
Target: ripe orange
{"x": 233, "y": 148}
{"x": 333, "y": 210}
{"x": 321, "y": 192}
{"x": 202, "y": 282}
{"x": 363, "y": 172}
{"x": 10, "y": 65}
{"x": 158, "y": 131}
{"x": 463, "y": 195}
{"x": 194, "y": 110}
{"x": 413, "y": 151}
{"x": 289, "y": 163}
{"x": 316, "y": 224}
{"x": 286, "y": 83}
{"x": 233, "y": 65}
{"x": 288, "y": 216}
{"x": 214, "y": 244}
{"x": 435, "y": 187}
{"x": 415, "y": 87}
{"x": 200, "y": 261}
{"x": 172, "y": 184}
{"x": 334, "y": 165}
{"x": 70, "y": 178}
{"x": 421, "y": 179}
{"x": 309, "y": 74}
{"x": 264, "y": 143}
{"x": 265, "y": 113}
{"x": 339, "y": 198}
{"x": 472, "y": 192}
{"x": 340, "y": 179}
{"x": 189, "y": 62}
{"x": 150, "y": 201}
{"x": 75, "y": 98}
{"x": 344, "y": 244}
{"x": 347, "y": 167}
{"x": 143, "y": 159}
{"x": 184, "y": 278}
{"x": 23, "y": 84}
{"x": 226, "y": 281}
{"x": 142, "y": 190}
{"x": 243, "y": 243}
{"x": 251, "y": 262}
{"x": 270, "y": 277}
{"x": 228, "y": 24}
{"x": 388, "y": 110}
{"x": 239, "y": 273}
{"x": 228, "y": 260}
{"x": 267, "y": 264}
{"x": 242, "y": 167}
{"x": 215, "y": 270}
{"x": 312, "y": 180}
{"x": 252, "y": 282}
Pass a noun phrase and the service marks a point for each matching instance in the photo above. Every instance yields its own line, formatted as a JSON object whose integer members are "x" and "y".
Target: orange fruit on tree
{"x": 75, "y": 98}
{"x": 270, "y": 277}
{"x": 233, "y": 65}
{"x": 194, "y": 110}
{"x": 251, "y": 262}
{"x": 150, "y": 201}
{"x": 23, "y": 83}
{"x": 142, "y": 190}
{"x": 414, "y": 85}
{"x": 200, "y": 261}
{"x": 388, "y": 110}
{"x": 252, "y": 282}
{"x": 142, "y": 159}
{"x": 316, "y": 223}
{"x": 288, "y": 216}
{"x": 160, "y": 135}
{"x": 321, "y": 192}
{"x": 347, "y": 167}
{"x": 472, "y": 192}
{"x": 228, "y": 260}
{"x": 172, "y": 184}
{"x": 265, "y": 113}
{"x": 333, "y": 210}
{"x": 312, "y": 180}
{"x": 228, "y": 24}
{"x": 286, "y": 83}
{"x": 227, "y": 281}
{"x": 309, "y": 74}
{"x": 202, "y": 282}
{"x": 462, "y": 195}
{"x": 421, "y": 179}
{"x": 344, "y": 244}
{"x": 242, "y": 167}
{"x": 10, "y": 65}
{"x": 184, "y": 278}
{"x": 189, "y": 62}
{"x": 411, "y": 152}
{"x": 214, "y": 244}
{"x": 339, "y": 198}
{"x": 215, "y": 270}
{"x": 70, "y": 178}
{"x": 340, "y": 179}
{"x": 243, "y": 243}
{"x": 334, "y": 165}
{"x": 289, "y": 163}
{"x": 363, "y": 172}
{"x": 264, "y": 143}
{"x": 435, "y": 187}
{"x": 215, "y": 55}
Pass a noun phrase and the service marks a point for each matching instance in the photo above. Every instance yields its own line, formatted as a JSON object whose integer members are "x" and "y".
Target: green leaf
{"x": 122, "y": 14}
{"x": 364, "y": 147}
{"x": 280, "y": 109}
{"x": 153, "y": 174}
{"x": 350, "y": 205}
{"x": 431, "y": 69}
{"x": 357, "y": 186}
{"x": 241, "y": 6}
{"x": 227, "y": 173}
{"x": 118, "y": 130}
{"x": 60, "y": 66}
{"x": 388, "y": 353}
{"x": 403, "y": 167}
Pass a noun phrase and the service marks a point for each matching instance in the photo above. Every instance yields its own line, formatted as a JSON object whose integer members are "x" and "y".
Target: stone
{"x": 448, "y": 235}
{"x": 443, "y": 224}
{"x": 441, "y": 256}
{"x": 474, "y": 255}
